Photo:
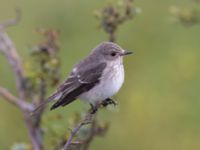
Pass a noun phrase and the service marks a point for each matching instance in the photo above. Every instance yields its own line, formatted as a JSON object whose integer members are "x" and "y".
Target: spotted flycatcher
{"x": 95, "y": 79}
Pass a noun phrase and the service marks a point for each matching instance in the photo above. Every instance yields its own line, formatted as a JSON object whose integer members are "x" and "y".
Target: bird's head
{"x": 109, "y": 51}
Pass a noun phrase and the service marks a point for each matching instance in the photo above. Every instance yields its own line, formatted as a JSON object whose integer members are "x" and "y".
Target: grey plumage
{"x": 78, "y": 82}
{"x": 88, "y": 73}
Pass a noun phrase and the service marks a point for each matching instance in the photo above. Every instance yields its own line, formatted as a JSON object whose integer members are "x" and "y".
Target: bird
{"x": 94, "y": 79}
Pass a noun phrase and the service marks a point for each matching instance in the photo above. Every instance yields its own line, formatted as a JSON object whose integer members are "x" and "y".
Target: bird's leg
{"x": 108, "y": 101}
{"x": 94, "y": 108}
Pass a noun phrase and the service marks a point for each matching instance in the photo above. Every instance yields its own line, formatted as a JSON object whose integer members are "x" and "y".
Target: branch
{"x": 96, "y": 129}
{"x": 88, "y": 119}
{"x": 35, "y": 133}
{"x": 92, "y": 133}
{"x": 14, "y": 100}
{"x": 8, "y": 49}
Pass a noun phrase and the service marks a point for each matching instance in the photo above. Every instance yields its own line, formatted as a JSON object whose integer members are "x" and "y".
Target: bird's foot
{"x": 109, "y": 101}
{"x": 104, "y": 103}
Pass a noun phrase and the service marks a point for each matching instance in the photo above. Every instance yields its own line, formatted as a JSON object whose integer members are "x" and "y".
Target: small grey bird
{"x": 95, "y": 79}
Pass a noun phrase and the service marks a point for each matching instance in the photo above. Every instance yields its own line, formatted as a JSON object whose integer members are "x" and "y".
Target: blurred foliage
{"x": 159, "y": 102}
{"x": 188, "y": 16}
{"x": 115, "y": 14}
{"x": 43, "y": 63}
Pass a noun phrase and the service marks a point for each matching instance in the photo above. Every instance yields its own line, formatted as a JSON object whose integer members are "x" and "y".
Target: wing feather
{"x": 78, "y": 83}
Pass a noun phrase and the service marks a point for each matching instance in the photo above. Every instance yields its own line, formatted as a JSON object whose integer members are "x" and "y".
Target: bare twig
{"x": 8, "y": 49}
{"x": 87, "y": 120}
{"x": 95, "y": 130}
{"x": 91, "y": 135}
{"x": 35, "y": 132}
{"x": 16, "y": 101}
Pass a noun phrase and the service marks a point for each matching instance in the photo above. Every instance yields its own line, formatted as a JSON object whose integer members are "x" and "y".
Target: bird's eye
{"x": 113, "y": 54}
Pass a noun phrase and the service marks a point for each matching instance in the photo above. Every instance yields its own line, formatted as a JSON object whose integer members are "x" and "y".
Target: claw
{"x": 109, "y": 101}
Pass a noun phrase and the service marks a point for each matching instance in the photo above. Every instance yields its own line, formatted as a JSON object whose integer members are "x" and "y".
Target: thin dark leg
{"x": 93, "y": 108}
{"x": 108, "y": 101}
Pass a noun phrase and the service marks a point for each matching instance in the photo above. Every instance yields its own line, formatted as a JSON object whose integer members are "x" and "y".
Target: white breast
{"x": 110, "y": 83}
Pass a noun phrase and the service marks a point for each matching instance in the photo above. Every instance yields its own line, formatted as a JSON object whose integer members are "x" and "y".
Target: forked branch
{"x": 14, "y": 100}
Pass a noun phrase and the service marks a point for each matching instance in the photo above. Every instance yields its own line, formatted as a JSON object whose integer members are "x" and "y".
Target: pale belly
{"x": 110, "y": 84}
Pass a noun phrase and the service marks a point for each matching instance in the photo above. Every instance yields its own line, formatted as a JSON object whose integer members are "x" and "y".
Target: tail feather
{"x": 49, "y": 99}
{"x": 62, "y": 102}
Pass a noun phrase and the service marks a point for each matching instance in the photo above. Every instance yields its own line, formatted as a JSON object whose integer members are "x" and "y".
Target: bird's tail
{"x": 55, "y": 96}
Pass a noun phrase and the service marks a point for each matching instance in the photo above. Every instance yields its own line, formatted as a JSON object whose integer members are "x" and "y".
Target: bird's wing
{"x": 79, "y": 81}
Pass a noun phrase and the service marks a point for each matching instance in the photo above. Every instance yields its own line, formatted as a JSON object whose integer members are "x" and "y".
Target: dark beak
{"x": 126, "y": 53}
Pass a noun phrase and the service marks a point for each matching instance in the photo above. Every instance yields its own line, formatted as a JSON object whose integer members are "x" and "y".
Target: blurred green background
{"x": 159, "y": 102}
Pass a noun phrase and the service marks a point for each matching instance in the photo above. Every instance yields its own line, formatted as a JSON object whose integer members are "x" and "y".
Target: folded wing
{"x": 81, "y": 80}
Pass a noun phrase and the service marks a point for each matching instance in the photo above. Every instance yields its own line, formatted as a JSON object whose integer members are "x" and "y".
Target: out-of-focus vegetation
{"x": 188, "y": 15}
{"x": 159, "y": 102}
